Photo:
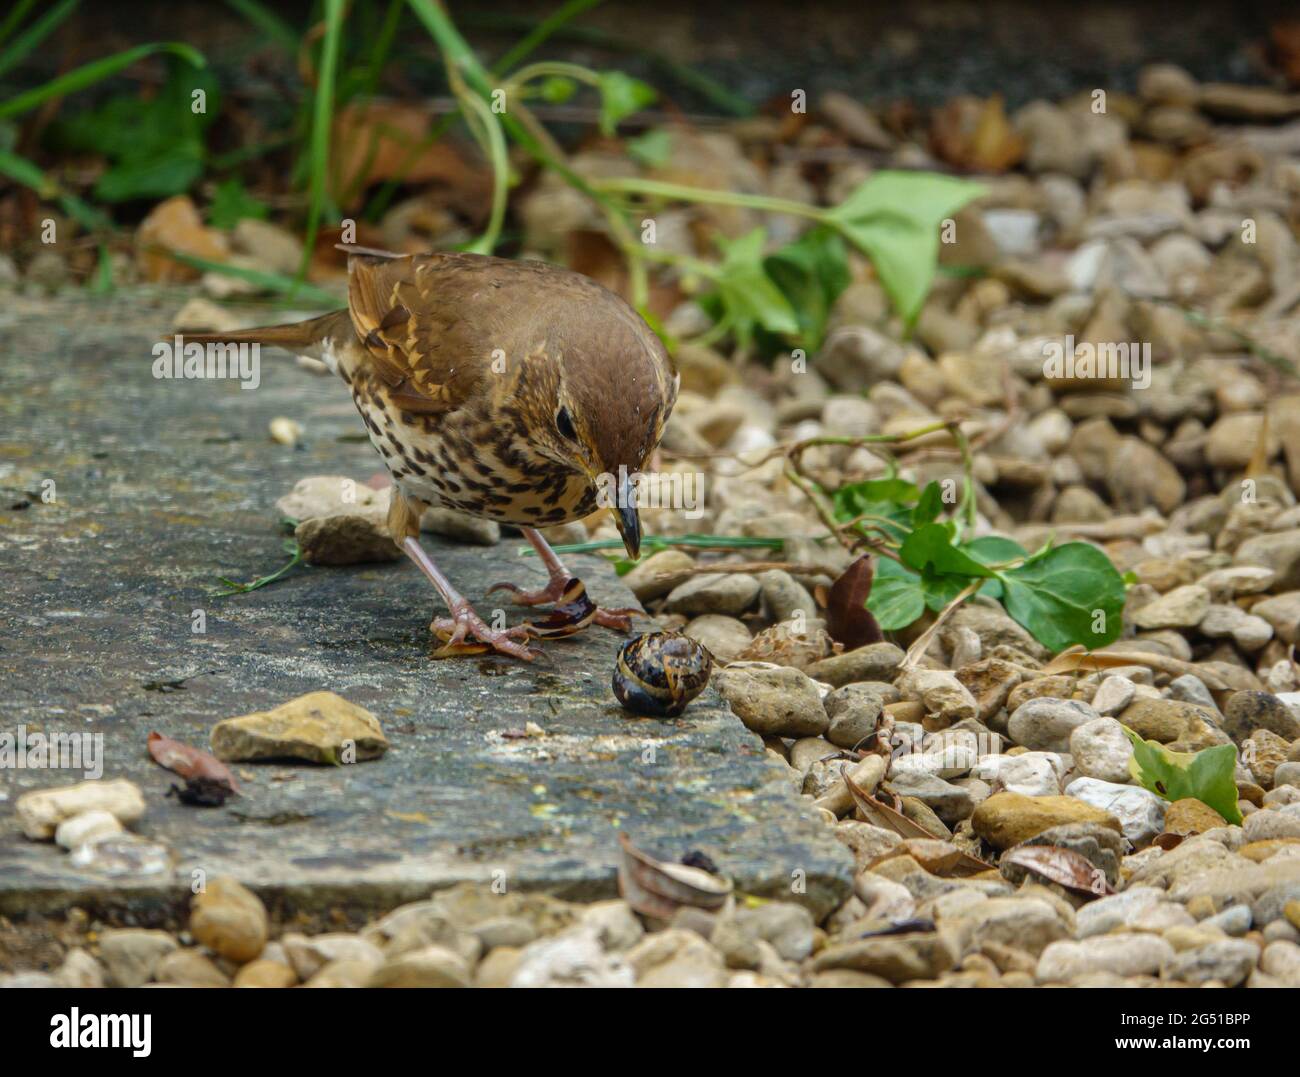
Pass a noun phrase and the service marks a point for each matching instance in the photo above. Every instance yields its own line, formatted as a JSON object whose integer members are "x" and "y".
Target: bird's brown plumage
{"x": 460, "y": 364}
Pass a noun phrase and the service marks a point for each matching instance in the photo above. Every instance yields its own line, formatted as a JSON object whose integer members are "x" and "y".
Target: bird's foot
{"x": 465, "y": 632}
{"x": 574, "y": 609}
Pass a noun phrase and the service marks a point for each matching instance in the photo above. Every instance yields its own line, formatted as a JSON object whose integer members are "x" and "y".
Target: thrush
{"x": 516, "y": 391}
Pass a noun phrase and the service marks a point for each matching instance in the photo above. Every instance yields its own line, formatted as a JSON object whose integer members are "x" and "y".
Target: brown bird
{"x": 515, "y": 391}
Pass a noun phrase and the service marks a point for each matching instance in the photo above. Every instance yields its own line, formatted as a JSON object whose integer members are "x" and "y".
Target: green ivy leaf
{"x": 897, "y": 598}
{"x": 930, "y": 547}
{"x": 811, "y": 273}
{"x": 929, "y": 505}
{"x": 1206, "y": 775}
{"x": 1058, "y": 595}
{"x": 749, "y": 297}
{"x": 621, "y": 96}
{"x": 894, "y": 218}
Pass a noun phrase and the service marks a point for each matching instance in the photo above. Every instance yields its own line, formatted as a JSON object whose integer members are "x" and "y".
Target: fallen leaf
{"x": 204, "y": 773}
{"x": 1077, "y": 660}
{"x": 1064, "y": 867}
{"x": 878, "y": 814}
{"x": 847, "y": 618}
{"x": 377, "y": 141}
{"x": 938, "y": 857}
{"x": 658, "y": 889}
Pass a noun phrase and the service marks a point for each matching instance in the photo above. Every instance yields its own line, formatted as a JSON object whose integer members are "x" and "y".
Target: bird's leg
{"x": 464, "y": 625}
{"x": 558, "y": 586}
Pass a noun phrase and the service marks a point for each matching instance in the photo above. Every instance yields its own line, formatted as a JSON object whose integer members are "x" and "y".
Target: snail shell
{"x": 660, "y": 672}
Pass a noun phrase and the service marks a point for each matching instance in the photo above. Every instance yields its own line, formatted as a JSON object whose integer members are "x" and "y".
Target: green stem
{"x": 323, "y": 113}
{"x": 681, "y": 193}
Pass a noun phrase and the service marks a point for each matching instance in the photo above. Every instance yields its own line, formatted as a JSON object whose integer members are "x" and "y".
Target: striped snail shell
{"x": 660, "y": 672}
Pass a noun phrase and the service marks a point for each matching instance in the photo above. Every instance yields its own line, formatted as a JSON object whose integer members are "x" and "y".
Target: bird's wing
{"x": 406, "y": 319}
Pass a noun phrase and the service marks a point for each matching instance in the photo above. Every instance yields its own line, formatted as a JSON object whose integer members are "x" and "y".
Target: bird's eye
{"x": 564, "y": 424}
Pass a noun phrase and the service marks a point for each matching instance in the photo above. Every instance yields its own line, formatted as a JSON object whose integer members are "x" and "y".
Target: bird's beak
{"x": 628, "y": 518}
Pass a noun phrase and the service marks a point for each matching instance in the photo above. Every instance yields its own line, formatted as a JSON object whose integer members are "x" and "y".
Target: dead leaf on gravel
{"x": 878, "y": 814}
{"x": 847, "y": 618}
{"x": 208, "y": 780}
{"x": 1064, "y": 867}
{"x": 657, "y": 888}
{"x": 938, "y": 857}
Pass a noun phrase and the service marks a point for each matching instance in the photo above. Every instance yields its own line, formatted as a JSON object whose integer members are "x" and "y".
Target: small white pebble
{"x": 285, "y": 431}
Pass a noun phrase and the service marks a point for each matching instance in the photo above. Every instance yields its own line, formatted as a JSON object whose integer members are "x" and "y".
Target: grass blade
{"x": 25, "y": 42}
{"x": 95, "y": 71}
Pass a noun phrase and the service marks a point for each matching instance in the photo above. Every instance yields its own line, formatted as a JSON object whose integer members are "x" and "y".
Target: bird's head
{"x": 609, "y": 388}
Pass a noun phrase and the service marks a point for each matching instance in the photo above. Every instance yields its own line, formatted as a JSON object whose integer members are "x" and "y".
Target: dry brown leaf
{"x": 208, "y": 780}
{"x": 938, "y": 857}
{"x": 377, "y": 141}
{"x": 1064, "y": 867}
{"x": 658, "y": 888}
{"x": 847, "y": 618}
{"x": 1077, "y": 660}
{"x": 878, "y": 814}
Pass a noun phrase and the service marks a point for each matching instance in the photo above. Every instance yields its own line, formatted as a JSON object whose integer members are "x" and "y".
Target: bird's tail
{"x": 314, "y": 337}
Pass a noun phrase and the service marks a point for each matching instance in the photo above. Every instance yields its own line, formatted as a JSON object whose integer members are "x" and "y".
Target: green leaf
{"x": 811, "y": 273}
{"x": 888, "y": 499}
{"x": 897, "y": 598}
{"x": 894, "y": 218}
{"x": 749, "y": 298}
{"x": 994, "y": 550}
{"x": 929, "y": 506}
{"x": 652, "y": 149}
{"x": 556, "y": 91}
{"x": 231, "y": 203}
{"x": 621, "y": 96}
{"x": 1070, "y": 594}
{"x": 1206, "y": 775}
{"x": 930, "y": 546}
{"x": 155, "y": 145}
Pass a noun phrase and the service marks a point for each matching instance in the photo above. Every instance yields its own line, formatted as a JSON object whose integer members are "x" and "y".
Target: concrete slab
{"x": 161, "y": 486}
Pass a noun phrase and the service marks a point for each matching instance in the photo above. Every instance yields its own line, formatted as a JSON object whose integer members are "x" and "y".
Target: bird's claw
{"x": 550, "y": 593}
{"x": 574, "y": 610}
{"x": 465, "y": 632}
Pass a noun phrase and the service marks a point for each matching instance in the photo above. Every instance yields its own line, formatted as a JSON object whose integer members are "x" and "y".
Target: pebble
{"x": 189, "y": 968}
{"x": 1100, "y": 748}
{"x": 87, "y": 828}
{"x": 430, "y": 966}
{"x": 1007, "y": 819}
{"x": 349, "y": 538}
{"x": 854, "y": 712}
{"x": 41, "y": 811}
{"x": 320, "y": 727}
{"x": 773, "y": 702}
{"x": 1141, "y": 813}
{"x": 130, "y": 954}
{"x": 1121, "y": 954}
{"x": 656, "y": 575}
{"x": 1113, "y": 695}
{"x": 725, "y": 637}
{"x": 919, "y": 956}
{"x": 1248, "y": 711}
{"x": 1046, "y": 723}
{"x": 730, "y": 593}
{"x": 874, "y": 662}
{"x": 229, "y": 919}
